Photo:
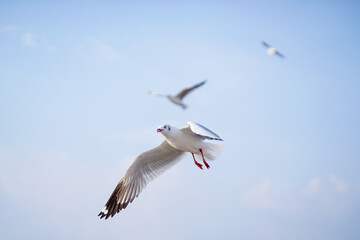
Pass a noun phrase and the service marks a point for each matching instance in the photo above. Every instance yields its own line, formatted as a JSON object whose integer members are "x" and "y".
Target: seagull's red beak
{"x": 159, "y": 130}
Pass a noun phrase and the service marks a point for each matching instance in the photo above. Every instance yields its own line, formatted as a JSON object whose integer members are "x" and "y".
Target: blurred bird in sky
{"x": 153, "y": 162}
{"x": 271, "y": 50}
{"x": 177, "y": 99}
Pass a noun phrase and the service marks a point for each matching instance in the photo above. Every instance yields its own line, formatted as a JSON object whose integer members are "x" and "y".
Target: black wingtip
{"x": 218, "y": 139}
{"x": 103, "y": 215}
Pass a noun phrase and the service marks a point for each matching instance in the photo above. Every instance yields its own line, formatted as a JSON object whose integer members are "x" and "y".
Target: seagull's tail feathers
{"x": 212, "y": 150}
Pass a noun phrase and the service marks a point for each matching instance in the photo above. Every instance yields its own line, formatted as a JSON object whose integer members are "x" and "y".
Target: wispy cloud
{"x": 316, "y": 185}
{"x": 340, "y": 184}
{"x": 8, "y": 28}
{"x": 28, "y": 39}
{"x": 313, "y": 186}
{"x": 105, "y": 51}
{"x": 261, "y": 196}
{"x": 100, "y": 51}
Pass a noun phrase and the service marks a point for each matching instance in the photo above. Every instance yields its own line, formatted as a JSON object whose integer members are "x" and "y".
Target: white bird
{"x": 153, "y": 162}
{"x": 177, "y": 99}
{"x": 271, "y": 50}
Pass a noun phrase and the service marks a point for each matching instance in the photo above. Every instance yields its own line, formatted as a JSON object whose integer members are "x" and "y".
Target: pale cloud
{"x": 100, "y": 51}
{"x": 46, "y": 43}
{"x": 261, "y": 196}
{"x": 313, "y": 186}
{"x": 8, "y": 28}
{"x": 339, "y": 184}
{"x": 105, "y": 51}
{"x": 28, "y": 39}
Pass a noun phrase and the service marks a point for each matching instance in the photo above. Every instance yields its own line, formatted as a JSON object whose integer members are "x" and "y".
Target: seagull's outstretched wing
{"x": 185, "y": 91}
{"x": 202, "y": 131}
{"x": 145, "y": 168}
{"x": 157, "y": 93}
{"x": 279, "y": 54}
{"x": 265, "y": 44}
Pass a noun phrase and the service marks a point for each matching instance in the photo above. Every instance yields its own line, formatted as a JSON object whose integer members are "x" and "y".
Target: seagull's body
{"x": 153, "y": 162}
{"x": 177, "y": 99}
{"x": 189, "y": 139}
{"x": 271, "y": 50}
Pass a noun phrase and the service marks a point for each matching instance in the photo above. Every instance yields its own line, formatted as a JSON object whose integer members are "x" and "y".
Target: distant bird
{"x": 271, "y": 50}
{"x": 153, "y": 162}
{"x": 177, "y": 99}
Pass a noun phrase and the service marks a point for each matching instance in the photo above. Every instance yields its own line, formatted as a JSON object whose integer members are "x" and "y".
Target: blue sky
{"x": 75, "y": 111}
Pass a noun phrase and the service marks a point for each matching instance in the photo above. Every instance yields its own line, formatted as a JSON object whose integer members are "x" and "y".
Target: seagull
{"x": 178, "y": 97}
{"x": 150, "y": 164}
{"x": 271, "y": 50}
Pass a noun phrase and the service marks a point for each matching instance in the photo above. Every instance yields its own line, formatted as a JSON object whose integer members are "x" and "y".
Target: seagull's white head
{"x": 164, "y": 129}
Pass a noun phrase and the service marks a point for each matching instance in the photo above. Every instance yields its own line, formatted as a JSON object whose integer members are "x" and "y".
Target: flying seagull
{"x": 271, "y": 50}
{"x": 177, "y": 99}
{"x": 150, "y": 164}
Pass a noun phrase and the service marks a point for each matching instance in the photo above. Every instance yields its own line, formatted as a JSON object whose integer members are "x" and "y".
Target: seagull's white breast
{"x": 185, "y": 142}
{"x": 271, "y": 51}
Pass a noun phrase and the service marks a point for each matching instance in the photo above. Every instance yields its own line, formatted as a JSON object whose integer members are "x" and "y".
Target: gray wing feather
{"x": 185, "y": 91}
{"x": 265, "y": 44}
{"x": 145, "y": 168}
{"x": 279, "y": 54}
{"x": 203, "y": 132}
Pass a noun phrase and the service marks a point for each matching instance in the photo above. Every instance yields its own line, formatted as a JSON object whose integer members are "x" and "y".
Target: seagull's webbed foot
{"x": 197, "y": 164}
{"x": 206, "y": 164}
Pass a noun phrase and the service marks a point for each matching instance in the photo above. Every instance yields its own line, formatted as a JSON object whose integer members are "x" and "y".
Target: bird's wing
{"x": 157, "y": 93}
{"x": 265, "y": 44}
{"x": 279, "y": 54}
{"x": 202, "y": 131}
{"x": 185, "y": 91}
{"x": 145, "y": 168}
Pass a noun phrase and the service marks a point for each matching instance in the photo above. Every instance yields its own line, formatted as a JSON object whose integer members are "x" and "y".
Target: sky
{"x": 75, "y": 110}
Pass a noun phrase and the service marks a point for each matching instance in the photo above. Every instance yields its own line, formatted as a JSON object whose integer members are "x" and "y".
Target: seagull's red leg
{"x": 206, "y": 164}
{"x": 197, "y": 164}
